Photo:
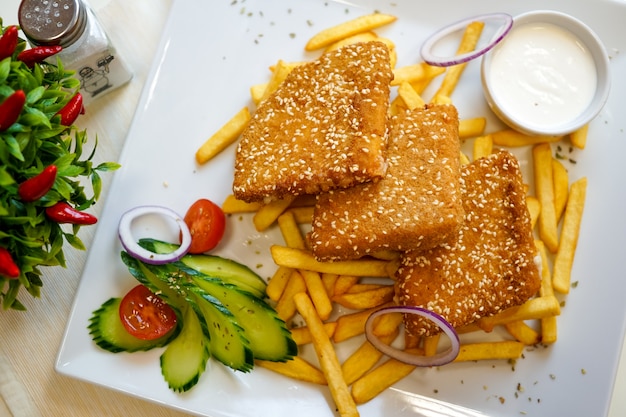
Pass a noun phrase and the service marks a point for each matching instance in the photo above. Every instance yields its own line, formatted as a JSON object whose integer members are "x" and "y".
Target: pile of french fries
{"x": 335, "y": 299}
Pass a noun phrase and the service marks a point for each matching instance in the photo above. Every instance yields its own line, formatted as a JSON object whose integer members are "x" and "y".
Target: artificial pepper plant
{"x": 46, "y": 182}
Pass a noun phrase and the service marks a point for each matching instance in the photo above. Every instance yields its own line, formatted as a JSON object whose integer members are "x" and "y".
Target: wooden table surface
{"x": 29, "y": 341}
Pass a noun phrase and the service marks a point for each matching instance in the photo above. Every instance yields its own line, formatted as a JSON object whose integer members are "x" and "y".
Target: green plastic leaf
{"x": 13, "y": 147}
{"x": 108, "y": 166}
{"x": 6, "y": 178}
{"x": 75, "y": 242}
{"x": 5, "y": 68}
{"x": 96, "y": 184}
{"x": 35, "y": 95}
{"x": 34, "y": 117}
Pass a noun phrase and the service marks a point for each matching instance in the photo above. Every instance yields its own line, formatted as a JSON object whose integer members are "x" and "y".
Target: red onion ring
{"x": 438, "y": 359}
{"x": 438, "y": 61}
{"x": 144, "y": 255}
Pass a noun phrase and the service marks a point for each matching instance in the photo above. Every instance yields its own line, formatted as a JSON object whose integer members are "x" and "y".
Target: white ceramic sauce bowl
{"x": 549, "y": 76}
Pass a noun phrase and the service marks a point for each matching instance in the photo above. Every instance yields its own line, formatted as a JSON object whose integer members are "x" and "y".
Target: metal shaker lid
{"x": 52, "y": 22}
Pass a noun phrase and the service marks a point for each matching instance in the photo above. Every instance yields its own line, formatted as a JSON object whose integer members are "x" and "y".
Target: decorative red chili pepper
{"x": 8, "y": 267}
{"x": 69, "y": 113}
{"x": 8, "y": 42}
{"x": 62, "y": 212}
{"x": 36, "y": 187}
{"x": 37, "y": 54}
{"x": 11, "y": 108}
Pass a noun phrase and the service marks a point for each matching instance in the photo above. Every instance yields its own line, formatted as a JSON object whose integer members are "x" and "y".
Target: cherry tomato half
{"x": 145, "y": 316}
{"x": 206, "y": 222}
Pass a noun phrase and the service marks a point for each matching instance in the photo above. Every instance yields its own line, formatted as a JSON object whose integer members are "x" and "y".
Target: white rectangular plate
{"x": 210, "y": 54}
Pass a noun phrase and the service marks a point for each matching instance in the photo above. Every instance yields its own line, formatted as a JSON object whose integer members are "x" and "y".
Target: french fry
{"x": 363, "y": 359}
{"x": 350, "y": 325}
{"x": 548, "y": 324}
{"x": 381, "y": 378}
{"x": 279, "y": 73}
{"x": 560, "y": 177}
{"x": 268, "y": 214}
{"x": 300, "y": 259}
{"x": 327, "y": 357}
{"x": 257, "y": 91}
{"x": 441, "y": 99}
{"x": 471, "y": 35}
{"x": 286, "y": 307}
{"x": 410, "y": 96}
{"x": 296, "y": 368}
{"x": 356, "y": 38}
{"x": 231, "y": 205}
{"x": 522, "y": 332}
{"x": 579, "y": 137}
{"x": 534, "y": 208}
{"x": 290, "y": 230}
{"x": 302, "y": 215}
{"x": 317, "y": 292}
{"x": 468, "y": 328}
{"x": 387, "y": 324}
{"x": 569, "y": 236}
{"x": 490, "y": 350}
{"x": 357, "y": 288}
{"x": 470, "y": 128}
{"x": 397, "y": 106}
{"x": 430, "y": 344}
{"x": 302, "y": 335}
{"x": 535, "y": 308}
{"x": 544, "y": 187}
{"x": 408, "y": 74}
{"x": 278, "y": 282}
{"x": 343, "y": 30}
{"x": 386, "y": 255}
{"x": 513, "y": 139}
{"x": 224, "y": 137}
{"x": 464, "y": 159}
{"x": 392, "y": 267}
{"x": 412, "y": 341}
{"x": 549, "y": 330}
{"x": 344, "y": 283}
{"x": 430, "y": 72}
{"x": 483, "y": 146}
{"x": 366, "y": 299}
{"x": 329, "y": 281}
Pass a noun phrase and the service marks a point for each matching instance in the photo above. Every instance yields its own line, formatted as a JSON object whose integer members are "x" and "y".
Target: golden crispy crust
{"x": 416, "y": 204}
{"x": 490, "y": 267}
{"x": 325, "y": 127}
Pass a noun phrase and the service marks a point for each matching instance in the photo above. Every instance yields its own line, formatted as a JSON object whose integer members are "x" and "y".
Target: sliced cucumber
{"x": 107, "y": 331}
{"x": 146, "y": 277}
{"x": 268, "y": 336}
{"x": 227, "y": 270}
{"x": 228, "y": 343}
{"x": 239, "y": 324}
{"x": 185, "y": 357}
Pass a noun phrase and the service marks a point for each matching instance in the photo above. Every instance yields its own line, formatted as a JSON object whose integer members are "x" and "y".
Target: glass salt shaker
{"x": 87, "y": 49}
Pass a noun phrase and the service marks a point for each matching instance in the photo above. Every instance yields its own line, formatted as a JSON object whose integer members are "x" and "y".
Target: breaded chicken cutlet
{"x": 492, "y": 264}
{"x": 416, "y": 205}
{"x": 324, "y": 128}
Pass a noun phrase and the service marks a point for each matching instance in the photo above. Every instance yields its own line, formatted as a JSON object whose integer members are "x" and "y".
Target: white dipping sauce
{"x": 542, "y": 74}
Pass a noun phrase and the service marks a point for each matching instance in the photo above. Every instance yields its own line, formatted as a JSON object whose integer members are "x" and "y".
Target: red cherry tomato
{"x": 206, "y": 222}
{"x": 145, "y": 316}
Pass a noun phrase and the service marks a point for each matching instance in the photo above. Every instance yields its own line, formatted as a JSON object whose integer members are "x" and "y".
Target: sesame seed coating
{"x": 324, "y": 127}
{"x": 491, "y": 265}
{"x": 416, "y": 204}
